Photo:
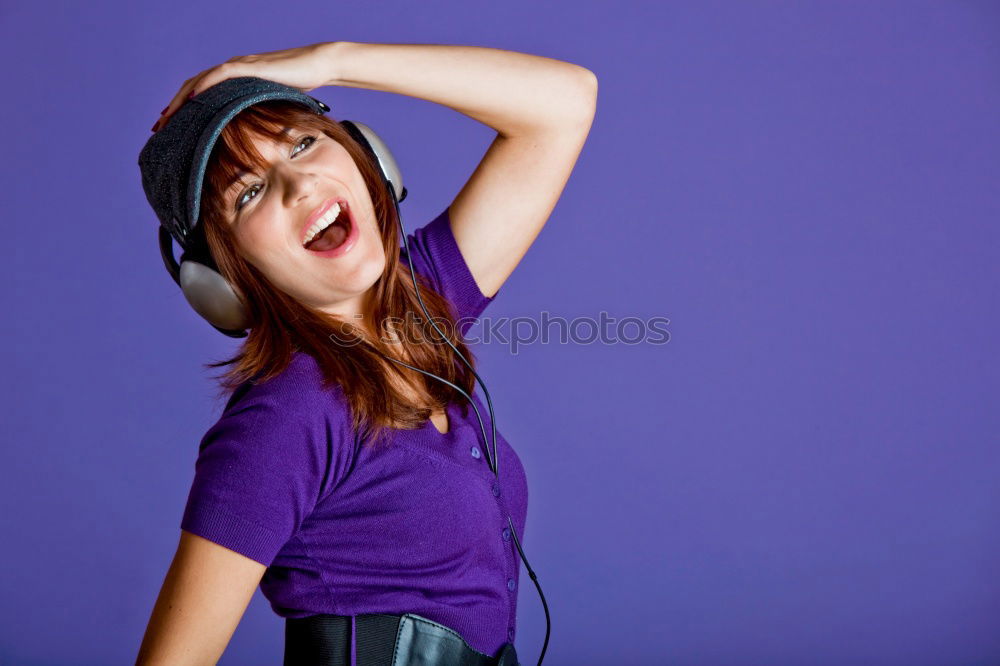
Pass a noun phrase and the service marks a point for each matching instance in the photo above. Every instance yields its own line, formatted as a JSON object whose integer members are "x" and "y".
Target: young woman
{"x": 355, "y": 489}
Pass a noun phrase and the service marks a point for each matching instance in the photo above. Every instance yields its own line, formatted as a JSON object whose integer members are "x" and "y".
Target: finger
{"x": 181, "y": 95}
{"x": 186, "y": 92}
{"x": 217, "y": 74}
{"x": 175, "y": 103}
{"x": 195, "y": 85}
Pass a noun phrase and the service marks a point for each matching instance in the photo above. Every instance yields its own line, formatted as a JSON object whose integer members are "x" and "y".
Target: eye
{"x": 241, "y": 201}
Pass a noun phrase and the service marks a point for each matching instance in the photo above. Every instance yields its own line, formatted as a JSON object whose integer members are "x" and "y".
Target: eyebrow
{"x": 239, "y": 175}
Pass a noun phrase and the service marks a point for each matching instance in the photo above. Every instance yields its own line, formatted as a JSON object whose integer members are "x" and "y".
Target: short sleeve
{"x": 436, "y": 255}
{"x": 263, "y": 467}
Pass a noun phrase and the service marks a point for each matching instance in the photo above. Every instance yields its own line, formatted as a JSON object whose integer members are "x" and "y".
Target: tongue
{"x": 331, "y": 237}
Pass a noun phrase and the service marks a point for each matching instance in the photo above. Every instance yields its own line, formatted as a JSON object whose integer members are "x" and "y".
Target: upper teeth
{"x": 322, "y": 223}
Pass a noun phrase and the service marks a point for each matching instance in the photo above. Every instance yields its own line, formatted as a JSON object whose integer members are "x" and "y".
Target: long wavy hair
{"x": 281, "y": 325}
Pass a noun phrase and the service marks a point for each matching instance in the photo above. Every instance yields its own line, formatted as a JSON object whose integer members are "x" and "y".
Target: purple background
{"x": 807, "y": 472}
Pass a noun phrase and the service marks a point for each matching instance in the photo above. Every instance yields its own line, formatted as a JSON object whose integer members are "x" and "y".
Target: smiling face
{"x": 270, "y": 212}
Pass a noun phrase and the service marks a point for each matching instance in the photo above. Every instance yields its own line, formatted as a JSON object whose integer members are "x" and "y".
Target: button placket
{"x": 513, "y": 563}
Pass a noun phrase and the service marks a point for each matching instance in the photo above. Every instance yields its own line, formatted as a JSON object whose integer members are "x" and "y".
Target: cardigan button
{"x": 475, "y": 452}
{"x": 496, "y": 490}
{"x": 510, "y": 584}
{"x": 510, "y": 634}
{"x": 506, "y": 534}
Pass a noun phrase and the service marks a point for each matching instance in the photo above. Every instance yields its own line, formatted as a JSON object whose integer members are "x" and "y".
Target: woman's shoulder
{"x": 290, "y": 415}
{"x": 436, "y": 255}
{"x": 280, "y": 446}
{"x": 298, "y": 390}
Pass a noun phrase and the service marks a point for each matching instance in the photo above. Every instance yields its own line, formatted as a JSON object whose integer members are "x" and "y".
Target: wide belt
{"x": 382, "y": 639}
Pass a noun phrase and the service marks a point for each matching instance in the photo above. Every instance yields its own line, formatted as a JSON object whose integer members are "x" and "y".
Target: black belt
{"x": 383, "y": 640}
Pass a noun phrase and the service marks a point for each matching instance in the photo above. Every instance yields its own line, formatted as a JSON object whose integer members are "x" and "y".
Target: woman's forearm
{"x": 514, "y": 93}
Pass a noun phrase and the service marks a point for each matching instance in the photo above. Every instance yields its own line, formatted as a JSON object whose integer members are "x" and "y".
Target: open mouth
{"x": 334, "y": 231}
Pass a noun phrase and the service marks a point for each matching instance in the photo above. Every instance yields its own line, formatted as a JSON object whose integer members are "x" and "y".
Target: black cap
{"x": 174, "y": 160}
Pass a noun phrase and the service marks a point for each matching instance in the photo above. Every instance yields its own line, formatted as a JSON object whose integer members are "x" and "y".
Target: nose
{"x": 299, "y": 185}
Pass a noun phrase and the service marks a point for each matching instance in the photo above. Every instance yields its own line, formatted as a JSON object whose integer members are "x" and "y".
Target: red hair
{"x": 281, "y": 325}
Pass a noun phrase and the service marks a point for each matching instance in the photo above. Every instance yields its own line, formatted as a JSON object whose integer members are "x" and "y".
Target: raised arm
{"x": 541, "y": 108}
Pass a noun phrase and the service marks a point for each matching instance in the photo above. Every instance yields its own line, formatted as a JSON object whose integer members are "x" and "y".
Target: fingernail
{"x": 154, "y": 126}
{"x": 164, "y": 109}
{"x": 190, "y": 94}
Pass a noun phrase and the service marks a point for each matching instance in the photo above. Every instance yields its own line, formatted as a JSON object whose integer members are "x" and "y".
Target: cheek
{"x": 256, "y": 244}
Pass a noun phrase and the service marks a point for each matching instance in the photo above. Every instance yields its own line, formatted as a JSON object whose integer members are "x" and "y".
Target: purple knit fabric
{"x": 418, "y": 526}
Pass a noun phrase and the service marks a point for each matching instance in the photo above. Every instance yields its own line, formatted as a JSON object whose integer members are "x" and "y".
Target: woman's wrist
{"x": 335, "y": 53}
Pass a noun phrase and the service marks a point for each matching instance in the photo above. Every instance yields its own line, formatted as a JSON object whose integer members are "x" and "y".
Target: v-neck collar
{"x": 452, "y": 424}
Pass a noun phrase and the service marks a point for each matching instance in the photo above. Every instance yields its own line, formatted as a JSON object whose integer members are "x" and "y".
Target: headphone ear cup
{"x": 367, "y": 137}
{"x": 206, "y": 291}
{"x": 211, "y": 296}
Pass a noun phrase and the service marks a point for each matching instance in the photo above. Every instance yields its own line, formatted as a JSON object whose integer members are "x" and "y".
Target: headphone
{"x": 221, "y": 304}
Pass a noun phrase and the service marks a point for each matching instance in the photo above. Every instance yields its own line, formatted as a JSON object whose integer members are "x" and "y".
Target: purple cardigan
{"x": 419, "y": 526}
